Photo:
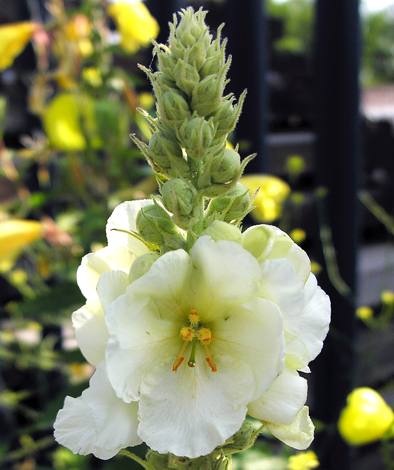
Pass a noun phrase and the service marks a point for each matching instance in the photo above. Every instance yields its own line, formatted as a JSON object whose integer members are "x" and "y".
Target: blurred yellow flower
{"x": 13, "y": 39}
{"x": 387, "y": 297}
{"x": 78, "y": 30}
{"x": 15, "y": 235}
{"x": 298, "y": 235}
{"x": 366, "y": 418}
{"x": 92, "y": 75}
{"x": 270, "y": 198}
{"x": 135, "y": 24}
{"x": 364, "y": 313}
{"x": 62, "y": 122}
{"x": 303, "y": 461}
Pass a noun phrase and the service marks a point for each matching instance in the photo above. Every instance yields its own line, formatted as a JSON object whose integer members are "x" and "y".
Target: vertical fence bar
{"x": 246, "y": 32}
{"x": 337, "y": 162}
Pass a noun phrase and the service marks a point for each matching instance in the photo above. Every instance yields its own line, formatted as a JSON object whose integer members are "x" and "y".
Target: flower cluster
{"x": 190, "y": 323}
{"x": 186, "y": 345}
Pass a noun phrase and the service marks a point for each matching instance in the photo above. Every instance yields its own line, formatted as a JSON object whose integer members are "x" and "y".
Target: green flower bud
{"x": 219, "y": 230}
{"x": 180, "y": 198}
{"x": 186, "y": 76}
{"x": 206, "y": 97}
{"x": 166, "y": 60}
{"x": 214, "y": 63}
{"x": 142, "y": 265}
{"x": 190, "y": 38}
{"x": 227, "y": 115}
{"x": 196, "y": 136}
{"x": 234, "y": 205}
{"x": 164, "y": 146}
{"x": 155, "y": 225}
{"x": 227, "y": 167}
{"x": 174, "y": 107}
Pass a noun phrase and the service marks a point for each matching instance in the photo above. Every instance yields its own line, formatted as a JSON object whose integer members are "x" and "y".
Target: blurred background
{"x": 319, "y": 113}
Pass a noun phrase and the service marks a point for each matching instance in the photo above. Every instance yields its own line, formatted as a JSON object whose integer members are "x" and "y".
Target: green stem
{"x": 134, "y": 457}
{"x": 377, "y": 210}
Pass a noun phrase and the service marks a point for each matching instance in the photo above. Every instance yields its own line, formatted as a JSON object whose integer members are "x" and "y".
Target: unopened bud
{"x": 180, "y": 198}
{"x": 207, "y": 95}
{"x": 186, "y": 76}
{"x": 155, "y": 225}
{"x": 196, "y": 136}
{"x": 233, "y": 205}
{"x": 174, "y": 107}
{"x": 226, "y": 167}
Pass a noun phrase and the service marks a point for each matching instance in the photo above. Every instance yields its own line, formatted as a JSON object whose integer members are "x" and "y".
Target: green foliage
{"x": 298, "y": 17}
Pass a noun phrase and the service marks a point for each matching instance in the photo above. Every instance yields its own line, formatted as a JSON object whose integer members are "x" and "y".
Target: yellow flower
{"x": 134, "y": 23}
{"x": 15, "y": 235}
{"x": 298, "y": 235}
{"x": 62, "y": 122}
{"x": 303, "y": 461}
{"x": 78, "y": 30}
{"x": 366, "y": 418}
{"x": 270, "y": 198}
{"x": 13, "y": 39}
{"x": 364, "y": 313}
{"x": 387, "y": 297}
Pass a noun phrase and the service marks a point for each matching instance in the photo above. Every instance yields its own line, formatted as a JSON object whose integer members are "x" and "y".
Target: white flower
{"x": 195, "y": 343}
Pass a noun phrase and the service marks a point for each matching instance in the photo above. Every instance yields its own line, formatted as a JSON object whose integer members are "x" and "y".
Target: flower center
{"x": 191, "y": 334}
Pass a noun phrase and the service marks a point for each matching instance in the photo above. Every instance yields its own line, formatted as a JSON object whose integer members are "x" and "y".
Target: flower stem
{"x": 134, "y": 457}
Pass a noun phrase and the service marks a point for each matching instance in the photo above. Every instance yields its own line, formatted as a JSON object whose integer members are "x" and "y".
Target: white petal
{"x": 91, "y": 331}
{"x": 123, "y": 218}
{"x": 279, "y": 283}
{"x": 167, "y": 284}
{"x": 94, "y": 264}
{"x": 191, "y": 411}
{"x": 140, "y": 339}
{"x": 253, "y": 333}
{"x": 111, "y": 285}
{"x": 314, "y": 318}
{"x": 269, "y": 242}
{"x": 297, "y": 355}
{"x": 97, "y": 422}
{"x": 298, "y": 434}
{"x": 225, "y": 275}
{"x": 281, "y": 403}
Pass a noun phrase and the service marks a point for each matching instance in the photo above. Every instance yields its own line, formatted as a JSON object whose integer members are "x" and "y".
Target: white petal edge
{"x": 124, "y": 217}
{"x": 281, "y": 403}
{"x": 314, "y": 318}
{"x": 97, "y": 422}
{"x": 94, "y": 264}
{"x": 91, "y": 331}
{"x": 298, "y": 434}
{"x": 193, "y": 410}
{"x": 110, "y": 286}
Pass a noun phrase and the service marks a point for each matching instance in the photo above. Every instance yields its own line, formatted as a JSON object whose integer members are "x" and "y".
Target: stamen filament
{"x": 209, "y": 358}
{"x": 181, "y": 357}
{"x": 192, "y": 359}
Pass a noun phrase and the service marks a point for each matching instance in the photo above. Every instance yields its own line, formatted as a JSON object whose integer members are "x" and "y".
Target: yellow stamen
{"x": 205, "y": 335}
{"x": 186, "y": 333}
{"x": 181, "y": 357}
{"x": 209, "y": 358}
{"x": 194, "y": 318}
